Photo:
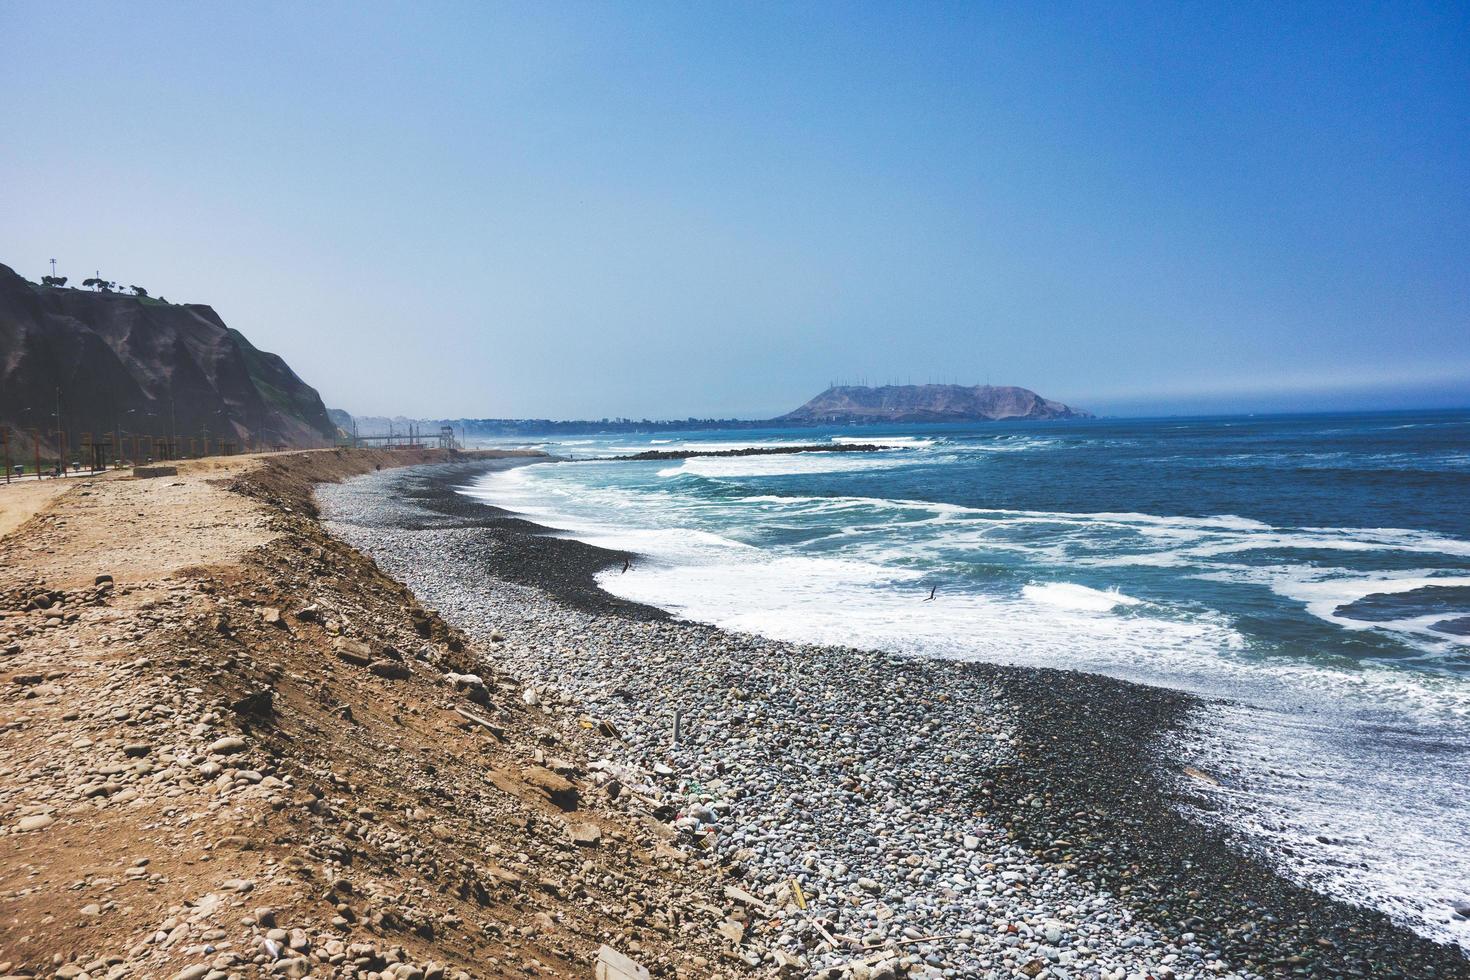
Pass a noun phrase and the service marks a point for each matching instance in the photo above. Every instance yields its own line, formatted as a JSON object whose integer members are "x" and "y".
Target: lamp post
{"x": 131, "y": 424}
{"x": 60, "y": 439}
{"x": 146, "y": 435}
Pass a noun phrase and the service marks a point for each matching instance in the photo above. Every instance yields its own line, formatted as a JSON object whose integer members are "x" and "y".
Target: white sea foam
{"x": 1324, "y": 597}
{"x": 717, "y": 446}
{"x": 894, "y": 442}
{"x": 1004, "y": 444}
{"x": 1069, "y": 595}
{"x": 1369, "y": 808}
{"x": 1120, "y": 519}
{"x": 622, "y": 445}
{"x": 716, "y": 467}
{"x": 850, "y": 602}
{"x": 1323, "y": 591}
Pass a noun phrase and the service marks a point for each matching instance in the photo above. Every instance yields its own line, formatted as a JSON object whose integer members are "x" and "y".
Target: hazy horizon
{"x": 666, "y": 211}
{"x": 1196, "y": 406}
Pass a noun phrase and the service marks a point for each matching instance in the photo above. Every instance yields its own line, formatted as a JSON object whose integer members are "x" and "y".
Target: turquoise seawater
{"x": 1312, "y": 572}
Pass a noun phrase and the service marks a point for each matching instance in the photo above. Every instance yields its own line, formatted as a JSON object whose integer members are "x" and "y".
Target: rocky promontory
{"x": 124, "y": 365}
{"x": 928, "y": 403}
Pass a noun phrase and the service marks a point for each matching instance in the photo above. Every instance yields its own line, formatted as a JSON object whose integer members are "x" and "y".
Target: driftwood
{"x": 484, "y": 723}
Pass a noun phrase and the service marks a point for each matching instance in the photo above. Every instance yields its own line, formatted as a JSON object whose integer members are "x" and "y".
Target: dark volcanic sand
{"x": 1090, "y": 750}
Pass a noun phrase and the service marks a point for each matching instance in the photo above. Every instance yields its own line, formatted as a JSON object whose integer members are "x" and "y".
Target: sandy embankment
{"x": 232, "y": 747}
{"x": 23, "y": 499}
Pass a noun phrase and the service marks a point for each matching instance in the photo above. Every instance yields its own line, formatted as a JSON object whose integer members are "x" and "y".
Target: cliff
{"x": 142, "y": 367}
{"x": 928, "y": 403}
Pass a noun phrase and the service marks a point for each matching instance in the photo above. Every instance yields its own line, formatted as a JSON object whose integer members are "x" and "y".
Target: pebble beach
{"x": 884, "y": 815}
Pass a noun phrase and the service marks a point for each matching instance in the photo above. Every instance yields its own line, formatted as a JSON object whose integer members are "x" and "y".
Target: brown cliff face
{"x": 142, "y": 367}
{"x": 929, "y": 403}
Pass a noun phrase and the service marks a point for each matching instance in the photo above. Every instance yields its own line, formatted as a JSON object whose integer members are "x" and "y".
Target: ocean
{"x": 1308, "y": 574}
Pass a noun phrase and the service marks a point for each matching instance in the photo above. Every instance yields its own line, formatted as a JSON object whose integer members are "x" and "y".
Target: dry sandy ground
{"x": 229, "y": 746}
{"x": 21, "y": 500}
{"x": 141, "y": 529}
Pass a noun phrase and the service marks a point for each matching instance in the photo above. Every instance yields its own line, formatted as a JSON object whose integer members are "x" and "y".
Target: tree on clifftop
{"x": 139, "y": 291}
{"x": 53, "y": 280}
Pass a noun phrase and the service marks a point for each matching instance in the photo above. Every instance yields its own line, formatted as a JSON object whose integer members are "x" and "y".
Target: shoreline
{"x": 1068, "y": 788}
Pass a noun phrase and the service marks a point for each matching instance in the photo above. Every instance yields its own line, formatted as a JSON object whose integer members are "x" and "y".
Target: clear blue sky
{"x": 579, "y": 209}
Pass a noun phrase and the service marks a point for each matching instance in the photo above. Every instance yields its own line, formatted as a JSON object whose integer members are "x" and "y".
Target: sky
{"x": 579, "y": 209}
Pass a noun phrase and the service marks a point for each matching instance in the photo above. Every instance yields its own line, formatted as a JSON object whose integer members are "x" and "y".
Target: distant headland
{"x": 838, "y": 405}
{"x": 928, "y": 403}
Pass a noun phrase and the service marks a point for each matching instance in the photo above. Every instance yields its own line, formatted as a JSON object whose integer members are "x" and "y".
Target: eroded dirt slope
{"x": 230, "y": 746}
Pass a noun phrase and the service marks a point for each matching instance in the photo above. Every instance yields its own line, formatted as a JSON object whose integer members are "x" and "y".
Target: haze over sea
{"x": 1311, "y": 573}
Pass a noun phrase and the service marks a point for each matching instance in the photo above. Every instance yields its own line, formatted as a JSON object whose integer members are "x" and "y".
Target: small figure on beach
{"x": 932, "y": 590}
{"x": 627, "y": 564}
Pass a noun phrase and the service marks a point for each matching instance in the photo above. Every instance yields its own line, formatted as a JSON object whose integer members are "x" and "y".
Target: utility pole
{"x": 53, "y": 268}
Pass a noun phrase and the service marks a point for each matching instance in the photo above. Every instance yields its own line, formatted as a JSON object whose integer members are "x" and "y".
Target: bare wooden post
{"x": 678, "y": 725}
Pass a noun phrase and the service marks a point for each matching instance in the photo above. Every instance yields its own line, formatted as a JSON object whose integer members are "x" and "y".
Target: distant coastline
{"x": 483, "y": 428}
{"x": 838, "y": 405}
